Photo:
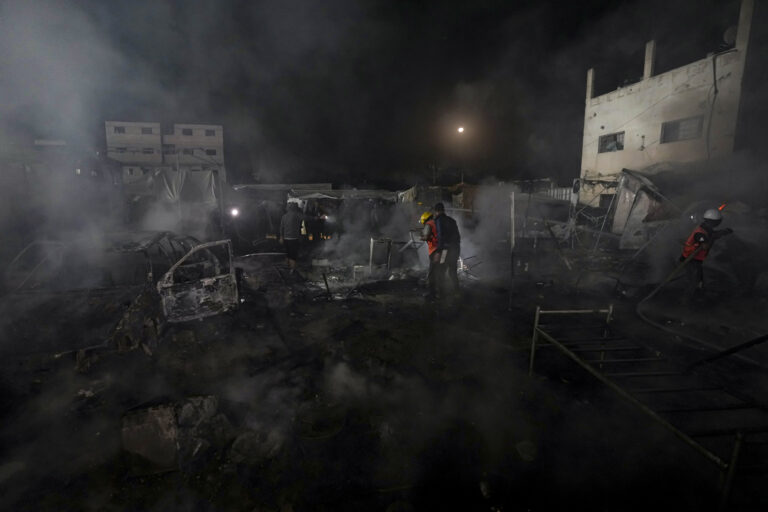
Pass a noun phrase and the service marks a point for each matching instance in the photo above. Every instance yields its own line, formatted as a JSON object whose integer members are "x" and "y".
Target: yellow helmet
{"x": 425, "y": 217}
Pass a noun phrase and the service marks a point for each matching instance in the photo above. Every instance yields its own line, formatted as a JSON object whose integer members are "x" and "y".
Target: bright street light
{"x": 460, "y": 129}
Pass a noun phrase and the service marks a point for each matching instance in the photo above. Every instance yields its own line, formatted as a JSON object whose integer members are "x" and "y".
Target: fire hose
{"x": 720, "y": 353}
{"x": 644, "y": 318}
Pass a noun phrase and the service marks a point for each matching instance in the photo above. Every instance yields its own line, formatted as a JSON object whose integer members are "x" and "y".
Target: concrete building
{"x": 686, "y": 114}
{"x": 194, "y": 145}
{"x": 144, "y": 146}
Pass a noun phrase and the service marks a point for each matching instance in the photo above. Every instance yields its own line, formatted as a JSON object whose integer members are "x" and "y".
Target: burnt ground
{"x": 372, "y": 400}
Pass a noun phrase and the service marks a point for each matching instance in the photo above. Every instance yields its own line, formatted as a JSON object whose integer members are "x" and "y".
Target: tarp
{"x": 384, "y": 195}
{"x": 200, "y": 187}
{"x": 636, "y": 198}
{"x": 407, "y": 196}
{"x": 168, "y": 185}
{"x": 283, "y": 186}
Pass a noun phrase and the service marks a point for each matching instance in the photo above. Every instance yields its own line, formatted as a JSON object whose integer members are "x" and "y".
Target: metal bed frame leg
{"x": 727, "y": 481}
{"x": 534, "y": 337}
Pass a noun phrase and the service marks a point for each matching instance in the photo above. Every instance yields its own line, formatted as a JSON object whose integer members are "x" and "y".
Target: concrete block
{"x": 150, "y": 436}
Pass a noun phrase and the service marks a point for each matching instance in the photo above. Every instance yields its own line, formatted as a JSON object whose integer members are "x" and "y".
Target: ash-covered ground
{"x": 364, "y": 398}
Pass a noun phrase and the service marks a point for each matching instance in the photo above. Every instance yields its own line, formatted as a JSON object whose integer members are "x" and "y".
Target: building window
{"x": 148, "y": 151}
{"x": 186, "y": 131}
{"x": 210, "y": 133}
{"x": 210, "y": 152}
{"x": 121, "y": 150}
{"x": 682, "y": 129}
{"x": 118, "y": 129}
{"x": 169, "y": 149}
{"x": 611, "y": 142}
{"x": 146, "y": 131}
{"x": 188, "y": 151}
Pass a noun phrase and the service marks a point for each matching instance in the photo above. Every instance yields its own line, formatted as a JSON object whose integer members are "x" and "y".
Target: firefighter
{"x": 700, "y": 242}
{"x": 429, "y": 235}
{"x": 449, "y": 246}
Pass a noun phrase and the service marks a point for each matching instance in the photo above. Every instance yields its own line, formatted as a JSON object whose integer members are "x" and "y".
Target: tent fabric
{"x": 283, "y": 186}
{"x": 201, "y": 185}
{"x": 407, "y": 196}
{"x": 633, "y": 185}
{"x": 384, "y": 195}
{"x": 171, "y": 186}
{"x": 169, "y": 183}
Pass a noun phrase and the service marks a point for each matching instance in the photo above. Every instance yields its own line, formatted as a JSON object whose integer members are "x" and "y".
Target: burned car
{"x": 111, "y": 292}
{"x": 202, "y": 283}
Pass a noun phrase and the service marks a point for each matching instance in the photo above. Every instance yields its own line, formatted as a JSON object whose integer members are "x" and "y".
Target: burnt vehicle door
{"x": 201, "y": 284}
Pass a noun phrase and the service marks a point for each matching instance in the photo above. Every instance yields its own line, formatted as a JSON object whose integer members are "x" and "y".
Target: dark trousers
{"x": 434, "y": 273}
{"x": 695, "y": 273}
{"x": 451, "y": 268}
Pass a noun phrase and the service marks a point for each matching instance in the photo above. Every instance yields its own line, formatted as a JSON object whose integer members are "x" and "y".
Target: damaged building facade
{"x": 687, "y": 114}
{"x": 138, "y": 145}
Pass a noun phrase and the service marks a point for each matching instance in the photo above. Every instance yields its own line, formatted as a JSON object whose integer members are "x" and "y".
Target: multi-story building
{"x": 143, "y": 146}
{"x": 686, "y": 114}
{"x": 195, "y": 145}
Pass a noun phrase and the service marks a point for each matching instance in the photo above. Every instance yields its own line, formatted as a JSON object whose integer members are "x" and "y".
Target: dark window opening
{"x": 121, "y": 150}
{"x": 605, "y": 200}
{"x": 186, "y": 131}
{"x": 210, "y": 152}
{"x": 146, "y": 131}
{"x": 210, "y": 133}
{"x": 119, "y": 129}
{"x": 188, "y": 151}
{"x": 682, "y": 129}
{"x": 148, "y": 151}
{"x": 611, "y": 142}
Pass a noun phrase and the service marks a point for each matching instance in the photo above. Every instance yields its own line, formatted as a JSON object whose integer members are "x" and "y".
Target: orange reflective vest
{"x": 691, "y": 244}
{"x": 432, "y": 239}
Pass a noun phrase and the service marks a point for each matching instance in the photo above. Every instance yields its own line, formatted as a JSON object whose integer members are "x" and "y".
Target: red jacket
{"x": 698, "y": 237}
{"x": 432, "y": 239}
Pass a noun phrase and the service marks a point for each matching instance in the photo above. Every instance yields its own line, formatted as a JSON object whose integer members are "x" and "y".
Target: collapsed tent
{"x": 647, "y": 199}
{"x": 637, "y": 200}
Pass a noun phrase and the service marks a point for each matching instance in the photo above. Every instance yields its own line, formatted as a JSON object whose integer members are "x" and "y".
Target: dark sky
{"x": 344, "y": 90}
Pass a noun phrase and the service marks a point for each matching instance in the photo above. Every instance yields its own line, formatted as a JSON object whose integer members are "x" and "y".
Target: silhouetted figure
{"x": 448, "y": 246}
{"x": 290, "y": 234}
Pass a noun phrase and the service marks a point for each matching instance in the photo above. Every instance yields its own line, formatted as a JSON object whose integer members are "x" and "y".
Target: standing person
{"x": 290, "y": 234}
{"x": 701, "y": 240}
{"x": 449, "y": 245}
{"x": 429, "y": 235}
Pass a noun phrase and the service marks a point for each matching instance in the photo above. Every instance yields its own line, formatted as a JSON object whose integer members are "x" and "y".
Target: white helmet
{"x": 713, "y": 214}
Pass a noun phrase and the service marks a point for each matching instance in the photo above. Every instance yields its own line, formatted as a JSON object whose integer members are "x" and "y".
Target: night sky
{"x": 355, "y": 92}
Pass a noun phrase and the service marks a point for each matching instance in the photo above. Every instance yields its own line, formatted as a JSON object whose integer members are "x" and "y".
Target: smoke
{"x": 308, "y": 91}
{"x": 356, "y": 222}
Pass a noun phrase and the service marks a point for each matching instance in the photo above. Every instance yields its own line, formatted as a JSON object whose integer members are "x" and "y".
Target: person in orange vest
{"x": 429, "y": 235}
{"x": 700, "y": 242}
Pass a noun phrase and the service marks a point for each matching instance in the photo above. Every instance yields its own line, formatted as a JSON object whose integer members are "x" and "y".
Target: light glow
{"x": 234, "y": 212}
{"x": 460, "y": 129}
